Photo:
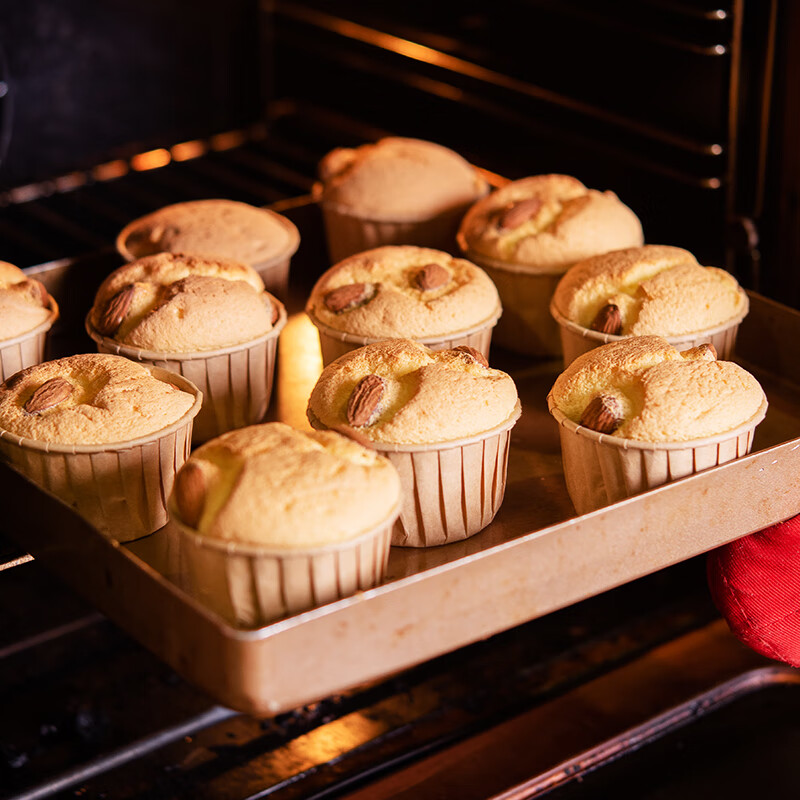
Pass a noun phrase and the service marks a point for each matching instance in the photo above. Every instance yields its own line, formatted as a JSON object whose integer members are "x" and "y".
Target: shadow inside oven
{"x": 738, "y": 740}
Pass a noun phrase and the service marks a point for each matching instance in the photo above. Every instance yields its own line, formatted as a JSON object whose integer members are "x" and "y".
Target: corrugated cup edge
{"x": 335, "y": 343}
{"x": 601, "y": 469}
{"x": 236, "y": 381}
{"x": 526, "y": 325}
{"x": 348, "y": 233}
{"x": 28, "y": 348}
{"x": 250, "y": 585}
{"x": 119, "y": 487}
{"x": 576, "y": 339}
{"x": 451, "y": 490}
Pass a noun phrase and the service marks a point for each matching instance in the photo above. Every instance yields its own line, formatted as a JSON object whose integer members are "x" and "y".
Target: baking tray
{"x": 534, "y": 558}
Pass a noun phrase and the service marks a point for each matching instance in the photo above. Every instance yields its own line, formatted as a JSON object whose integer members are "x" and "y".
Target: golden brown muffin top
{"x": 399, "y": 391}
{"x": 24, "y": 302}
{"x": 397, "y": 179}
{"x": 660, "y": 394}
{"x": 403, "y": 291}
{"x": 273, "y": 486}
{"x": 183, "y": 303}
{"x": 657, "y": 290}
{"x": 548, "y": 222}
{"x": 224, "y": 228}
{"x": 90, "y": 398}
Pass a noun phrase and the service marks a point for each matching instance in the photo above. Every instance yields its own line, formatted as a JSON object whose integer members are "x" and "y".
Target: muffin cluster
{"x": 410, "y": 424}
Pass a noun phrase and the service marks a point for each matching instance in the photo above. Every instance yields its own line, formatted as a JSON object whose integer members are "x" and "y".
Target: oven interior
{"x": 108, "y": 111}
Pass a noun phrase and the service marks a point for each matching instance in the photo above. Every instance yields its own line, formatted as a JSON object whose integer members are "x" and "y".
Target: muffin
{"x": 403, "y": 292}
{"x": 651, "y": 290}
{"x": 395, "y": 191}
{"x": 274, "y": 520}
{"x": 255, "y": 236}
{"x": 527, "y": 235}
{"x": 102, "y": 433}
{"x": 208, "y": 319}
{"x": 637, "y": 413}
{"x": 27, "y": 312}
{"x": 443, "y": 419}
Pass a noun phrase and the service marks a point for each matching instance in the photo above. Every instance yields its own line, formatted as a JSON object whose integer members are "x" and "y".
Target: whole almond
{"x": 603, "y": 414}
{"x": 48, "y": 395}
{"x": 471, "y": 354}
{"x": 190, "y": 493}
{"x": 362, "y": 408}
{"x": 703, "y": 352}
{"x": 608, "y": 320}
{"x": 431, "y": 276}
{"x": 515, "y": 214}
{"x": 350, "y": 296}
{"x": 115, "y": 311}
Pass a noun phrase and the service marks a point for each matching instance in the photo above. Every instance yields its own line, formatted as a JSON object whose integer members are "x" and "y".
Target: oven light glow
{"x": 153, "y": 159}
{"x": 186, "y": 151}
{"x": 110, "y": 170}
{"x": 228, "y": 140}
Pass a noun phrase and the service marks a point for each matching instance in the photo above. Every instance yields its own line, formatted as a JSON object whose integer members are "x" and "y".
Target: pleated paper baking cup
{"x": 250, "y": 586}
{"x": 576, "y": 340}
{"x": 273, "y": 271}
{"x": 121, "y": 487}
{"x": 347, "y": 233}
{"x": 335, "y": 343}
{"x": 600, "y": 469}
{"x": 451, "y": 490}
{"x": 28, "y": 348}
{"x": 236, "y": 381}
{"x": 526, "y": 325}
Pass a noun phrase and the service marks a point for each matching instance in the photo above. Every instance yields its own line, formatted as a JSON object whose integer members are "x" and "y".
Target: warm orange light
{"x": 110, "y": 170}
{"x": 228, "y": 140}
{"x": 299, "y": 365}
{"x": 188, "y": 150}
{"x": 153, "y": 159}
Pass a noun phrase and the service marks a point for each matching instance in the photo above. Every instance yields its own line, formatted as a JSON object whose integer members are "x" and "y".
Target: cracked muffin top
{"x": 643, "y": 388}
{"x": 273, "y": 486}
{"x": 183, "y": 303}
{"x": 91, "y": 398}
{"x": 398, "y": 179}
{"x": 403, "y": 291}
{"x": 401, "y": 392}
{"x": 224, "y": 228}
{"x": 546, "y": 223}
{"x": 653, "y": 290}
{"x": 24, "y": 302}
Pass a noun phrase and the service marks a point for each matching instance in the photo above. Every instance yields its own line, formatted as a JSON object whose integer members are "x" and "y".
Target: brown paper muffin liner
{"x": 576, "y": 340}
{"x": 600, "y": 469}
{"x": 335, "y": 343}
{"x": 236, "y": 381}
{"x": 347, "y": 233}
{"x": 450, "y": 490}
{"x": 250, "y": 586}
{"x": 526, "y": 325}
{"x": 273, "y": 271}
{"x": 121, "y": 488}
{"x": 26, "y": 349}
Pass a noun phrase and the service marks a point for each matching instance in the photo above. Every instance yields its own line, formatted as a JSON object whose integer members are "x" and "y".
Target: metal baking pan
{"x": 534, "y": 558}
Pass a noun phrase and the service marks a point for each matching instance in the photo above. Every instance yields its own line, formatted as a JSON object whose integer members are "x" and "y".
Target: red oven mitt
{"x": 755, "y": 584}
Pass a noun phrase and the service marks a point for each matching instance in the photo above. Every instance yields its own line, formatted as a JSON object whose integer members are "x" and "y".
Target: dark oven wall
{"x": 87, "y": 81}
{"x": 667, "y": 103}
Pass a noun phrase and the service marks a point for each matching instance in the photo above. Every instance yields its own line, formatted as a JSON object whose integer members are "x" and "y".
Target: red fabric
{"x": 755, "y": 584}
